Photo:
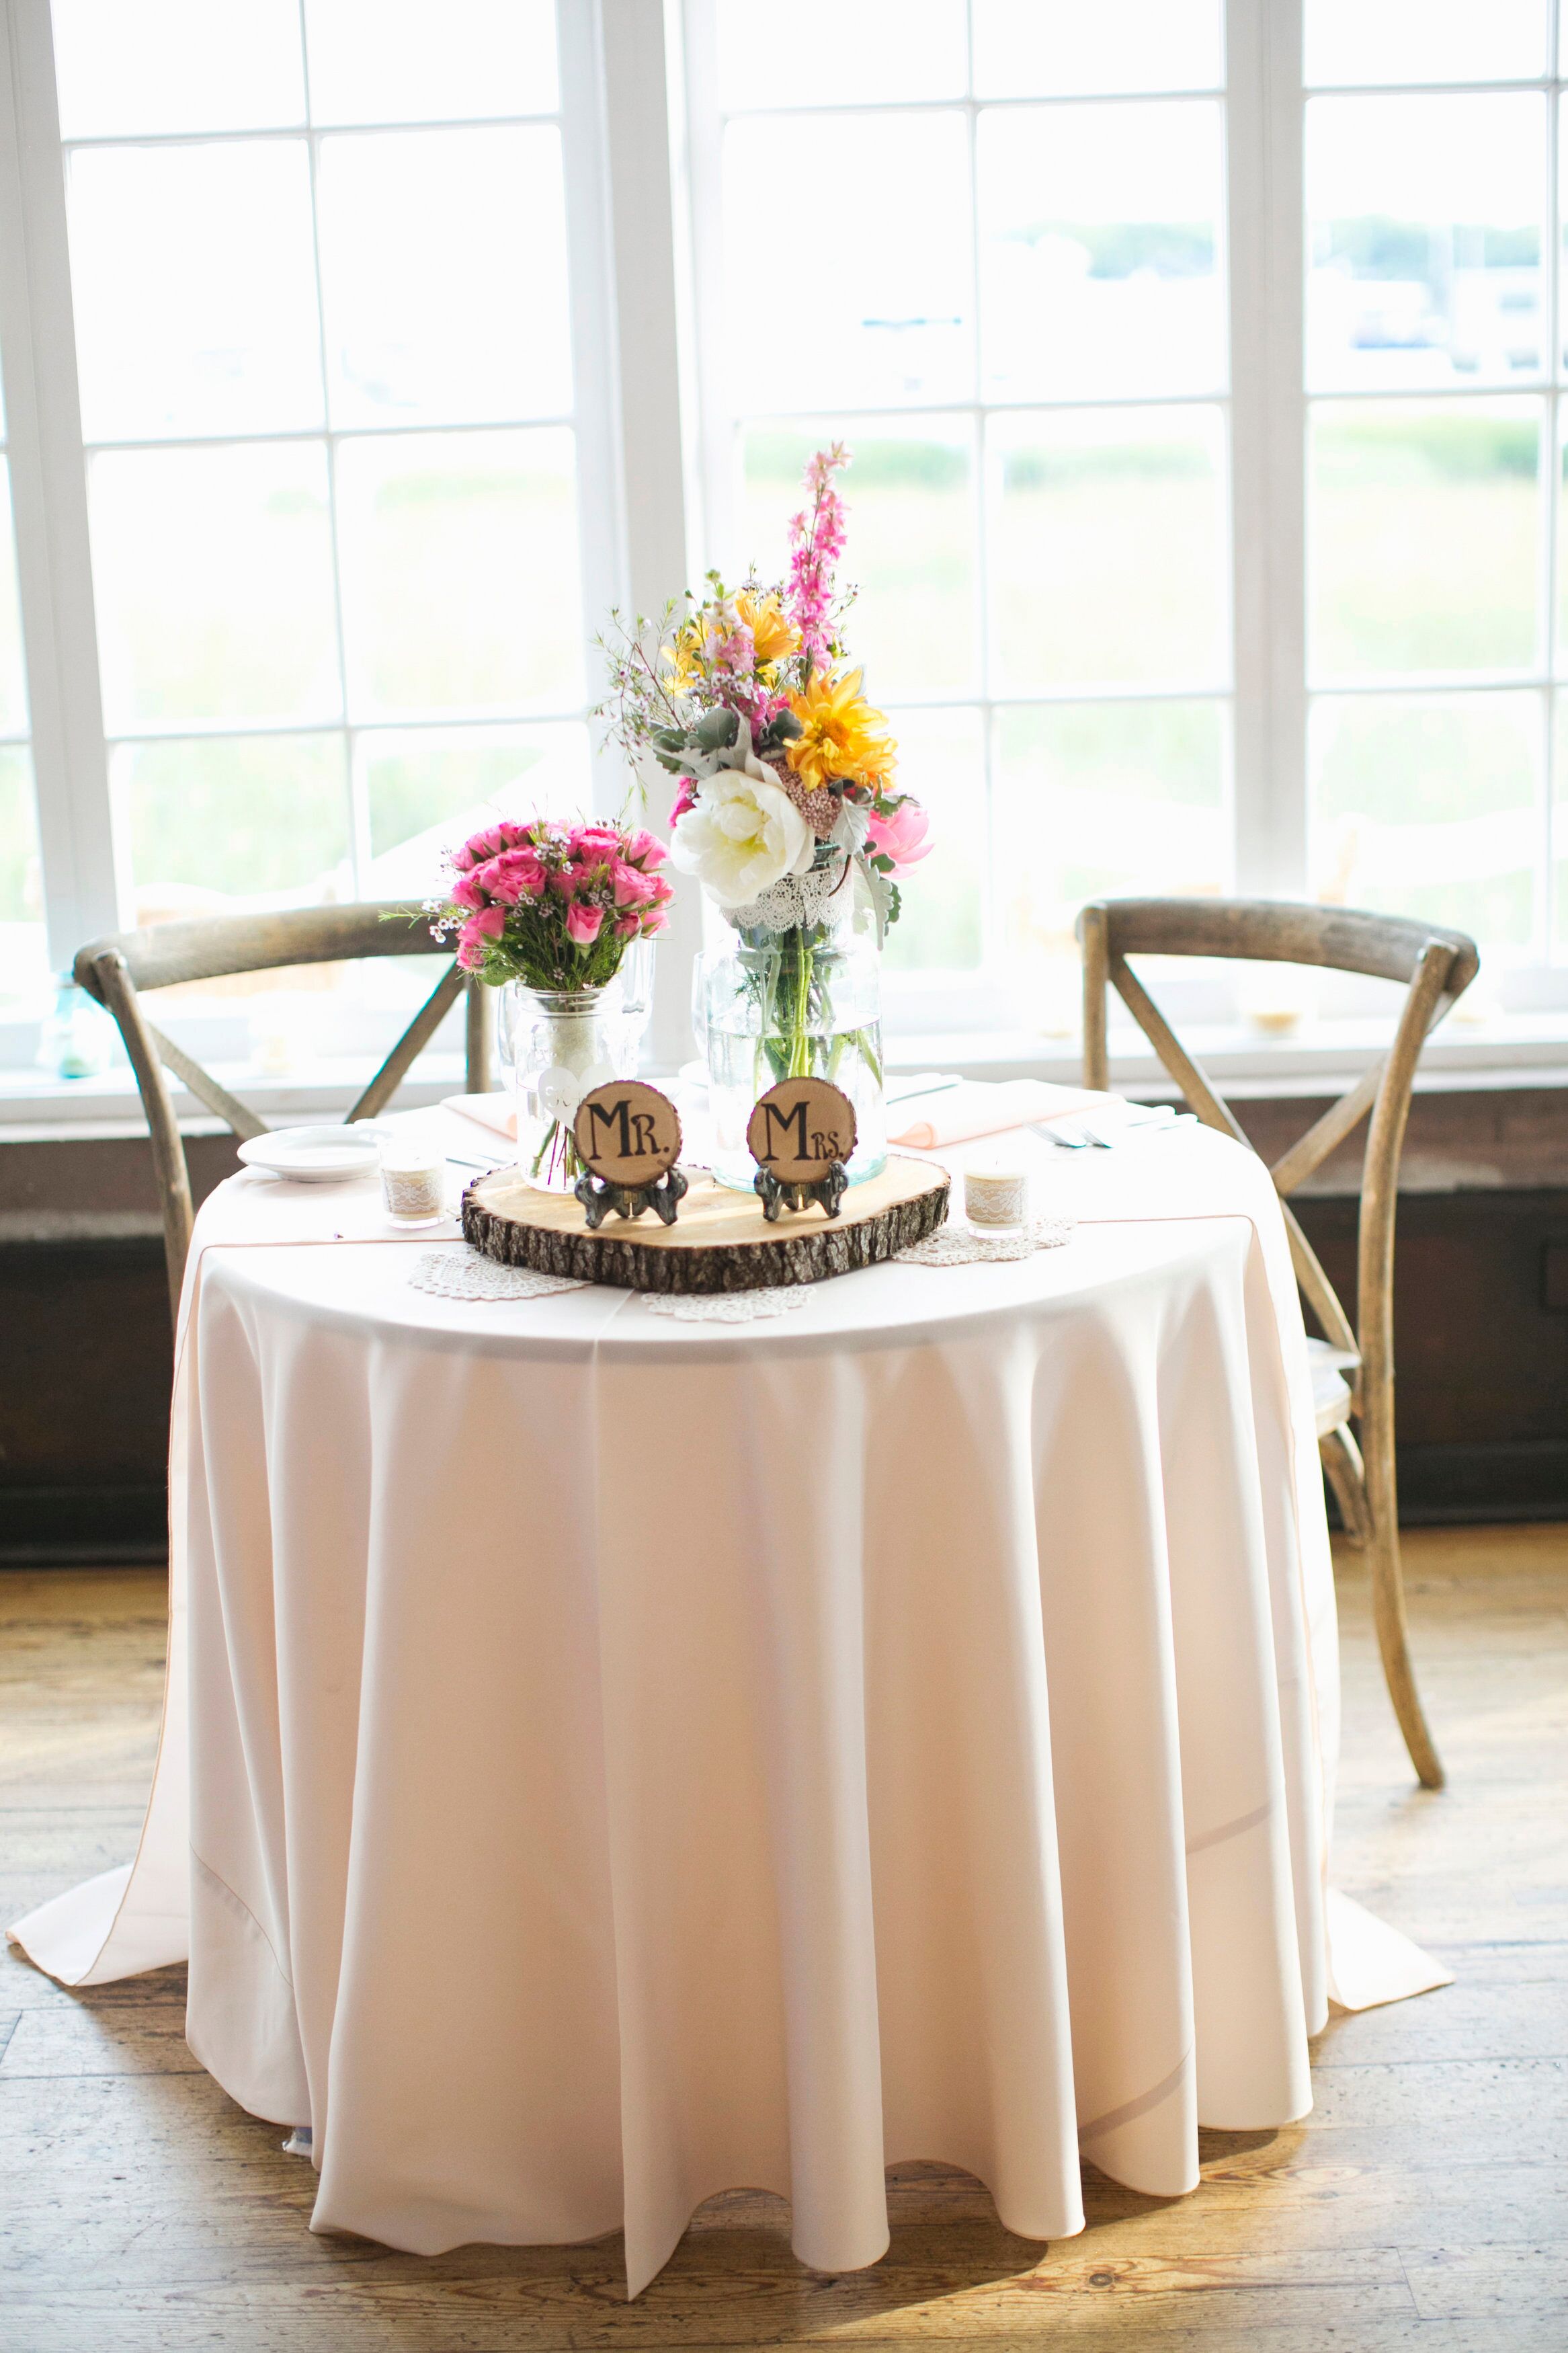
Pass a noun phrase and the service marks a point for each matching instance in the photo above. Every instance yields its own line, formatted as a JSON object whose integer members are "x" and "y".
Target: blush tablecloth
{"x": 629, "y": 1759}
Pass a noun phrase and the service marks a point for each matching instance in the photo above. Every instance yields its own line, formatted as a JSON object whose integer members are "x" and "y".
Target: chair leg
{"x": 1341, "y": 1458}
{"x": 1393, "y": 1642}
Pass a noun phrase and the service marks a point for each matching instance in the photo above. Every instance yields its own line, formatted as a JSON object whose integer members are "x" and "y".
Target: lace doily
{"x": 728, "y": 1306}
{"x": 959, "y": 1245}
{"x": 796, "y": 899}
{"x": 467, "y": 1274}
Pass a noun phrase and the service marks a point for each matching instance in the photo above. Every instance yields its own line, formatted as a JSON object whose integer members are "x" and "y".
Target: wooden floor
{"x": 1422, "y": 2205}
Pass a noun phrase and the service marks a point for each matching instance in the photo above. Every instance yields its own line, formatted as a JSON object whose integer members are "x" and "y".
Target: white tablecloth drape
{"x": 631, "y": 1759}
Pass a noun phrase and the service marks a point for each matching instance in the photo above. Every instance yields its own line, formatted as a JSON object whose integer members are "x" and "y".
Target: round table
{"x": 632, "y": 1759}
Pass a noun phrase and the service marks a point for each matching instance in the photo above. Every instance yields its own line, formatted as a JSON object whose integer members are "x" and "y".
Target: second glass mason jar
{"x": 803, "y": 1003}
{"x": 556, "y": 1045}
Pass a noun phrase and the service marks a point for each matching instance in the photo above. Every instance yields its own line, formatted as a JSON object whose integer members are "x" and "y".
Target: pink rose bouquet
{"x": 555, "y": 906}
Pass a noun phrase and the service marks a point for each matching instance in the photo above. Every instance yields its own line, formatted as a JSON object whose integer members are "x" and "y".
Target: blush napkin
{"x": 985, "y": 1107}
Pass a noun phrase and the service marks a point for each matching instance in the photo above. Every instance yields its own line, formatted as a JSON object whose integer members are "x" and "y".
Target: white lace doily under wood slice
{"x": 975, "y": 1246}
{"x": 465, "y": 1274}
{"x": 721, "y": 1242}
{"x": 726, "y": 1307}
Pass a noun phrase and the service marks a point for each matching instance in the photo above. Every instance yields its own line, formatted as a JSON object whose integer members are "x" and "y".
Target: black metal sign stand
{"x": 829, "y": 1188}
{"x": 599, "y": 1196}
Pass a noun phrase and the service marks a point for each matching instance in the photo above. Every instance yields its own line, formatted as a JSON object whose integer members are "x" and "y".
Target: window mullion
{"x": 625, "y": 197}
{"x": 38, "y": 343}
{"x": 353, "y": 779}
{"x": 1546, "y": 926}
{"x": 717, "y": 427}
{"x": 1266, "y": 237}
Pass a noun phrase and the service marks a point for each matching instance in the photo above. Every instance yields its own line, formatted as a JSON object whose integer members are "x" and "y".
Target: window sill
{"x": 38, "y": 1109}
{"x": 1320, "y": 1057}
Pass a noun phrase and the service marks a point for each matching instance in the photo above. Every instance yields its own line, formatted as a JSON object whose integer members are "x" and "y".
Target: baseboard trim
{"x": 83, "y": 1528}
{"x": 1502, "y": 1479}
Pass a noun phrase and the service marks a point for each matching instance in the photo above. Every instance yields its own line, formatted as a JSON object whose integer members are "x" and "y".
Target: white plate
{"x": 313, "y": 1155}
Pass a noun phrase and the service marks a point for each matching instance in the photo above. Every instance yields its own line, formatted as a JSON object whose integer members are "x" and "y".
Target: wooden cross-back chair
{"x": 116, "y": 969}
{"x": 1352, "y": 1370}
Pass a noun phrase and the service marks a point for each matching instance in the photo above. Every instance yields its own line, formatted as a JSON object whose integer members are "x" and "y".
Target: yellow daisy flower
{"x": 842, "y": 734}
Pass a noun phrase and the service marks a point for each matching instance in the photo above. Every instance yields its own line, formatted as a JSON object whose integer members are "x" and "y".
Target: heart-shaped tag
{"x": 561, "y": 1090}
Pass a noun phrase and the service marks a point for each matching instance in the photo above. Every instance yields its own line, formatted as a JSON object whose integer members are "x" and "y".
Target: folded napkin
{"x": 985, "y": 1107}
{"x": 497, "y": 1113}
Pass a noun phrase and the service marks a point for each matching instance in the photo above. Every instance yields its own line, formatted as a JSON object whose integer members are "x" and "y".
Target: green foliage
{"x": 775, "y": 459}
{"x": 1120, "y": 461}
{"x": 534, "y": 949}
{"x": 1450, "y": 445}
{"x": 241, "y": 814}
{"x": 1379, "y": 246}
{"x": 1118, "y": 248}
{"x": 1432, "y": 760}
{"x": 416, "y": 786}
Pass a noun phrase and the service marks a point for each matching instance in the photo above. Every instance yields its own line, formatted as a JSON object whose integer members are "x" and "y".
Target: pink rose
{"x": 596, "y": 842}
{"x": 488, "y": 923}
{"x": 471, "y": 949}
{"x": 628, "y": 926}
{"x": 480, "y": 847}
{"x": 901, "y": 837}
{"x": 631, "y": 887}
{"x": 583, "y": 922}
{"x": 646, "y": 850}
{"x": 657, "y": 921}
{"x": 466, "y": 892}
{"x": 515, "y": 874}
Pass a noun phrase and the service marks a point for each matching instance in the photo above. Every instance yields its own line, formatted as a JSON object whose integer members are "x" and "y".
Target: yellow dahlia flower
{"x": 773, "y": 634}
{"x": 841, "y": 734}
{"x": 684, "y": 654}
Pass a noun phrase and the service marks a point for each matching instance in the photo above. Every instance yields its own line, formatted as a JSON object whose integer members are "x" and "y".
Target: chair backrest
{"x": 115, "y": 970}
{"x": 1437, "y": 966}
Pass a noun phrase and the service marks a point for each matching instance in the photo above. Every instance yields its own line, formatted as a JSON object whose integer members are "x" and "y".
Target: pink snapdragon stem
{"x": 816, "y": 541}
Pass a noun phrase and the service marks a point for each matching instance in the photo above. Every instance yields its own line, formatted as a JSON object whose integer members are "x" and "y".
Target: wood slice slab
{"x": 722, "y": 1242}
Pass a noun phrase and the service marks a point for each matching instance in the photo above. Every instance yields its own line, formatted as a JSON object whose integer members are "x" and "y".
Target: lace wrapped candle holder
{"x": 996, "y": 1197}
{"x": 412, "y": 1181}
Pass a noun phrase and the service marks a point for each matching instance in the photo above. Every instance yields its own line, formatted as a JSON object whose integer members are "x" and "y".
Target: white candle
{"x": 995, "y": 1195}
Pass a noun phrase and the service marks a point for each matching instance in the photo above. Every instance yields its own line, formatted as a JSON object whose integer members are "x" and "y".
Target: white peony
{"x": 743, "y": 834}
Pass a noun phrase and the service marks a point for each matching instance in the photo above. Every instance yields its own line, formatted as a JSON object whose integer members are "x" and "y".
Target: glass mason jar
{"x": 557, "y": 1043}
{"x": 803, "y": 1003}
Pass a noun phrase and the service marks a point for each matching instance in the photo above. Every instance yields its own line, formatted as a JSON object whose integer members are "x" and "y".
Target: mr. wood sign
{"x": 628, "y": 1139}
{"x": 801, "y": 1134}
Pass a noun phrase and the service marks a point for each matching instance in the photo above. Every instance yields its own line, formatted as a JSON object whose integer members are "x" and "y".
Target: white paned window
{"x": 21, "y": 881}
{"x": 1181, "y": 568}
{"x": 1015, "y": 316}
{"x": 1432, "y": 479}
{"x": 1201, "y": 361}
{"x": 325, "y": 360}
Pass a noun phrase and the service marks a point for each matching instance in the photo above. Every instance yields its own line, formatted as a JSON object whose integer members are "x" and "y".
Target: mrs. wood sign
{"x": 801, "y": 1134}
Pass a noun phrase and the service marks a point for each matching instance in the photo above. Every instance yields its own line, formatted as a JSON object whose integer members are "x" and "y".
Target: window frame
{"x": 1247, "y": 687}
{"x": 1268, "y": 406}
{"x": 621, "y": 197}
{"x": 640, "y": 125}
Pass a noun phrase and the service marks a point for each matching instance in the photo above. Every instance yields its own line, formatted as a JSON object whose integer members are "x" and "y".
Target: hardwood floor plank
{"x": 1465, "y": 2283}
{"x": 146, "y": 2038}
{"x": 1418, "y": 2209}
